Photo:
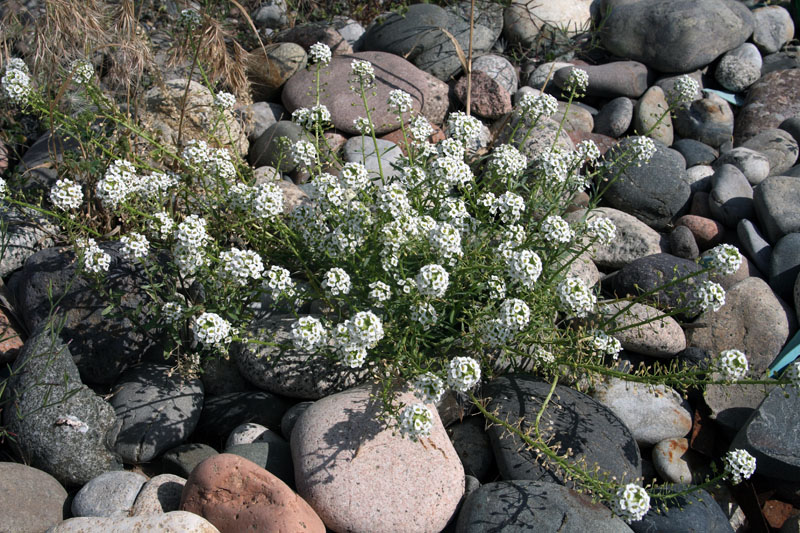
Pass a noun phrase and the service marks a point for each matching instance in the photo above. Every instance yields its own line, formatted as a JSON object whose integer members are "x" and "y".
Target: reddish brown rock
{"x": 707, "y": 233}
{"x": 237, "y": 495}
{"x": 770, "y": 101}
{"x": 3, "y": 157}
{"x": 10, "y": 339}
{"x": 777, "y": 512}
{"x": 488, "y": 98}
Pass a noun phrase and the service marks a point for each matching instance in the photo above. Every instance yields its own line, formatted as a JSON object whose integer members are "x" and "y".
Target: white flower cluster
{"x": 337, "y": 281}
{"x": 524, "y": 267}
{"x": 380, "y": 292}
{"x": 267, "y": 200}
{"x": 16, "y": 83}
{"x": 189, "y": 18}
{"x": 416, "y": 421}
{"x": 515, "y": 314}
{"x": 733, "y": 364}
{"x": 191, "y": 236}
{"x": 556, "y": 229}
{"x": 363, "y": 74}
{"x": 172, "y": 311}
{"x": 685, "y": 89}
{"x": 163, "y": 224}
{"x": 66, "y": 195}
{"x": 353, "y": 337}
{"x": 603, "y": 343}
{"x": 400, "y": 101}
{"x": 542, "y": 355}
{"x": 792, "y": 373}
{"x": 94, "y": 259}
{"x": 119, "y": 182}
{"x": 82, "y": 71}
{"x": 355, "y": 176}
{"x": 643, "y": 149}
{"x": 134, "y": 246}
{"x": 510, "y": 207}
{"x": 707, "y": 295}
{"x": 739, "y": 465}
{"x": 157, "y": 184}
{"x": 432, "y": 280}
{"x": 278, "y": 280}
{"x": 212, "y": 330}
{"x": 533, "y": 106}
{"x": 724, "y": 259}
{"x": 425, "y": 314}
{"x": 632, "y": 503}
{"x": 224, "y": 101}
{"x": 555, "y": 165}
{"x": 446, "y": 240}
{"x": 362, "y": 125}
{"x": 576, "y": 297}
{"x": 310, "y": 118}
{"x": 497, "y": 288}
{"x": 4, "y": 188}
{"x": 452, "y": 171}
{"x": 428, "y": 387}
{"x": 308, "y": 333}
{"x": 420, "y": 128}
{"x": 303, "y": 152}
{"x": 451, "y": 148}
{"x": 241, "y": 265}
{"x": 507, "y": 161}
{"x": 602, "y": 229}
{"x": 577, "y": 81}
{"x": 319, "y": 54}
{"x": 463, "y": 373}
{"x": 587, "y": 151}
{"x": 462, "y": 127}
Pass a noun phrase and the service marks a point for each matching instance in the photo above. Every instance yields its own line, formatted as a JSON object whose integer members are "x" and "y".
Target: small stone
{"x": 268, "y": 150}
{"x": 577, "y": 118}
{"x": 261, "y": 115}
{"x": 615, "y": 117}
{"x": 694, "y": 511}
{"x": 180, "y": 461}
{"x": 10, "y": 339}
{"x": 778, "y": 146}
{"x": 109, "y": 494}
{"x": 699, "y": 178}
{"x": 309, "y": 33}
{"x": 682, "y": 243}
{"x": 695, "y": 152}
{"x": 245, "y": 434}
{"x": 488, "y": 99}
{"x": 472, "y": 445}
{"x": 754, "y": 245}
{"x": 670, "y": 461}
{"x": 739, "y": 68}
{"x": 661, "y": 337}
{"x": 268, "y": 74}
{"x": 707, "y": 233}
{"x": 544, "y": 73}
{"x": 618, "y": 78}
{"x": 708, "y": 120}
{"x": 644, "y": 275}
{"x": 731, "y": 197}
{"x": 275, "y": 457}
{"x": 498, "y": 68}
{"x": 651, "y": 116}
{"x": 754, "y": 165}
{"x": 361, "y": 149}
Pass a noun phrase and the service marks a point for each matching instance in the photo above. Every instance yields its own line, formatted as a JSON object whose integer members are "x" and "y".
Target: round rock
{"x": 161, "y": 494}
{"x": 778, "y": 146}
{"x": 525, "y": 20}
{"x": 700, "y": 180}
{"x": 708, "y": 120}
{"x": 754, "y": 165}
{"x": 770, "y": 101}
{"x": 785, "y": 265}
{"x": 31, "y": 500}
{"x": 651, "y": 116}
{"x": 775, "y": 202}
{"x": 267, "y": 74}
{"x": 662, "y": 337}
{"x": 739, "y": 68}
{"x": 754, "y": 245}
{"x": 695, "y": 152}
{"x": 695, "y": 511}
{"x": 649, "y": 273}
{"x": 268, "y": 150}
{"x": 618, "y": 78}
{"x": 615, "y": 117}
{"x": 731, "y": 197}
{"x": 109, "y": 494}
{"x": 707, "y": 233}
{"x": 168, "y": 522}
{"x": 682, "y": 243}
{"x": 671, "y": 460}
{"x": 488, "y": 99}
{"x": 498, "y": 68}
{"x": 773, "y": 27}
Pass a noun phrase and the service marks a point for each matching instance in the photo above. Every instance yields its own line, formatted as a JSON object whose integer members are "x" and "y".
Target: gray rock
{"x": 247, "y": 433}
{"x": 290, "y": 418}
{"x": 675, "y": 462}
{"x": 39, "y": 162}
{"x": 699, "y": 177}
{"x": 545, "y": 72}
{"x": 180, "y": 461}
{"x": 31, "y": 500}
{"x": 361, "y": 149}
{"x": 690, "y": 513}
{"x": 792, "y": 126}
{"x": 668, "y": 85}
{"x": 773, "y": 27}
{"x": 661, "y": 337}
{"x": 682, "y": 243}
{"x": 675, "y": 35}
{"x": 604, "y": 440}
{"x": 275, "y": 457}
{"x": 472, "y": 446}
{"x": 221, "y": 376}
{"x": 168, "y": 522}
{"x": 649, "y": 273}
{"x": 651, "y": 116}
{"x": 262, "y": 115}
{"x": 542, "y": 137}
{"x": 271, "y": 67}
{"x": 731, "y": 197}
{"x": 518, "y": 506}
{"x": 161, "y": 494}
{"x": 651, "y": 413}
{"x": 775, "y": 202}
{"x": 708, "y": 120}
{"x": 287, "y": 371}
{"x": 770, "y": 101}
{"x": 754, "y": 165}
{"x": 350, "y": 30}
{"x": 778, "y": 61}
{"x": 695, "y": 152}
{"x": 785, "y": 265}
{"x": 60, "y": 425}
{"x": 754, "y": 245}
{"x": 614, "y": 118}
{"x": 158, "y": 409}
{"x": 771, "y": 436}
{"x": 529, "y": 20}
{"x": 739, "y": 68}
{"x": 656, "y": 192}
{"x": 271, "y": 14}
{"x": 221, "y": 414}
{"x": 268, "y": 149}
{"x": 109, "y": 494}
{"x": 778, "y": 146}
{"x": 576, "y": 118}
{"x": 25, "y": 232}
{"x": 754, "y": 321}
{"x": 500, "y": 69}
{"x": 618, "y": 78}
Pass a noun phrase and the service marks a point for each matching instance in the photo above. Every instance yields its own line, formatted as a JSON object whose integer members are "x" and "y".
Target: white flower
{"x": 319, "y": 54}
{"x": 632, "y": 503}
{"x": 577, "y": 82}
{"x": 16, "y": 86}
{"x": 739, "y": 465}
{"x": 366, "y": 329}
{"x": 420, "y": 128}
{"x": 303, "y": 152}
{"x": 428, "y": 387}
{"x": 134, "y": 246}
{"x": 94, "y": 259}
{"x": 556, "y": 229}
{"x": 172, "y": 311}
{"x": 724, "y": 259}
{"x": 576, "y": 297}
{"x": 163, "y": 224}
{"x": 4, "y": 189}
{"x": 189, "y": 259}
{"x": 192, "y": 232}
{"x": 241, "y": 265}
{"x": 707, "y": 295}
{"x": 221, "y": 164}
{"x": 363, "y": 125}
{"x": 380, "y": 292}
{"x": 211, "y": 329}
{"x": 16, "y": 63}
{"x": 733, "y": 364}
{"x": 602, "y": 229}
{"x": 197, "y": 153}
{"x": 416, "y": 421}
{"x": 451, "y": 148}
{"x": 685, "y": 89}
{"x": 82, "y": 71}
{"x": 510, "y": 206}
{"x": 602, "y": 343}
{"x": 425, "y": 314}
{"x": 118, "y": 182}
{"x": 432, "y": 280}
{"x": 157, "y": 183}
{"x": 446, "y": 240}
{"x": 587, "y": 151}
{"x": 400, "y": 101}
{"x": 507, "y": 161}
{"x": 542, "y": 355}
{"x": 278, "y": 280}
{"x": 643, "y": 149}
{"x": 533, "y": 106}
{"x": 793, "y": 374}
{"x": 189, "y": 17}
{"x": 497, "y": 288}
{"x": 452, "y": 171}
{"x": 308, "y": 333}
{"x": 267, "y": 200}
{"x": 224, "y": 101}
{"x": 355, "y": 176}
{"x": 363, "y": 74}
{"x": 554, "y": 164}
{"x": 66, "y": 195}
{"x": 463, "y": 373}
{"x": 337, "y": 281}
{"x": 515, "y": 314}
{"x": 463, "y": 127}
{"x": 524, "y": 267}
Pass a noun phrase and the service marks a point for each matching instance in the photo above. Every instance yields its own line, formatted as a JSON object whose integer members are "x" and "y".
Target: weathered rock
{"x": 309, "y": 33}
{"x": 268, "y": 74}
{"x": 784, "y": 265}
{"x": 754, "y": 165}
{"x": 675, "y": 35}
{"x": 651, "y": 116}
{"x": 290, "y": 418}
{"x": 775, "y": 202}
{"x": 773, "y": 27}
{"x": 682, "y": 243}
{"x": 520, "y": 505}
{"x": 778, "y": 146}
{"x": 275, "y": 457}
{"x": 527, "y": 20}
{"x": 695, "y": 511}
{"x": 695, "y": 153}
{"x": 342, "y": 453}
{"x": 604, "y": 440}
{"x": 160, "y": 494}
{"x": 25, "y": 232}
{"x": 180, "y": 461}
{"x": 739, "y": 68}
{"x": 545, "y": 72}
{"x": 271, "y": 14}
{"x": 488, "y": 99}
{"x": 618, "y": 78}
{"x": 499, "y": 69}
{"x": 261, "y": 115}
{"x": 174, "y": 522}
{"x": 542, "y": 137}
{"x": 615, "y": 117}
{"x": 31, "y": 500}
{"x": 707, "y": 233}
{"x": 11, "y": 339}
{"x": 770, "y": 101}
{"x": 109, "y": 494}
{"x": 361, "y": 149}
{"x": 224, "y": 412}
{"x": 661, "y": 338}
{"x": 670, "y": 460}
{"x": 472, "y": 446}
{"x": 648, "y": 273}
{"x": 731, "y": 197}
{"x": 269, "y": 149}
{"x": 708, "y": 120}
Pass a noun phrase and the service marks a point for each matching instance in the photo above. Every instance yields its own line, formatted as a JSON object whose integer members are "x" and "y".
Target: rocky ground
{"x": 293, "y": 445}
